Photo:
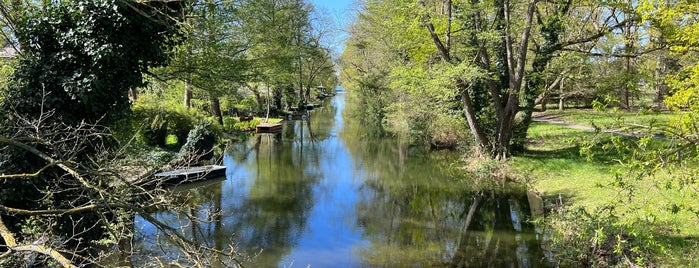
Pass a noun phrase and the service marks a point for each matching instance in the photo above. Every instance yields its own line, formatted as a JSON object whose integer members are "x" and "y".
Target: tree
{"x": 656, "y": 176}
{"x": 494, "y": 57}
{"x": 286, "y": 50}
{"x": 213, "y": 56}
{"x": 498, "y": 73}
{"x": 87, "y": 55}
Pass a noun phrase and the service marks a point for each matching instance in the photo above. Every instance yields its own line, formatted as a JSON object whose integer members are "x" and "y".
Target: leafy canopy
{"x": 82, "y": 57}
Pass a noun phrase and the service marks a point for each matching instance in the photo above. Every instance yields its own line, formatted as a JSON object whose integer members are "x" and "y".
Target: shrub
{"x": 447, "y": 131}
{"x": 154, "y": 132}
{"x": 158, "y": 121}
{"x": 200, "y": 143}
{"x": 230, "y": 124}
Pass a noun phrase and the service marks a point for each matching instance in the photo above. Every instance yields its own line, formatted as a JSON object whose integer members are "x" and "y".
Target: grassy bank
{"x": 650, "y": 232}
{"x": 618, "y": 120}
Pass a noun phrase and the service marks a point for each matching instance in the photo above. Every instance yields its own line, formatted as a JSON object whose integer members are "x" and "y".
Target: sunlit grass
{"x": 171, "y": 141}
{"x": 631, "y": 121}
{"x": 554, "y": 166}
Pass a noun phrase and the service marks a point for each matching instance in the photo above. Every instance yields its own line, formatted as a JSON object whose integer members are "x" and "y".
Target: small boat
{"x": 190, "y": 174}
{"x": 268, "y": 127}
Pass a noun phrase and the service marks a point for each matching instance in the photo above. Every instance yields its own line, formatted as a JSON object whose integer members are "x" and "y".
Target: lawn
{"x": 619, "y": 120}
{"x": 554, "y": 166}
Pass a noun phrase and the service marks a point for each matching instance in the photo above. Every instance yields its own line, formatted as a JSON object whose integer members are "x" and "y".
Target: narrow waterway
{"x": 324, "y": 194}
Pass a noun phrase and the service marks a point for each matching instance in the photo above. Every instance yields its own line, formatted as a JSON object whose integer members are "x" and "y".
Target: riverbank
{"x": 598, "y": 224}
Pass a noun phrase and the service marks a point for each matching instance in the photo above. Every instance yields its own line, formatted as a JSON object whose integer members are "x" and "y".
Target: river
{"x": 324, "y": 194}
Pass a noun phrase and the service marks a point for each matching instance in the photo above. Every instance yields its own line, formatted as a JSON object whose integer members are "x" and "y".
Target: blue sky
{"x": 333, "y": 5}
{"x": 342, "y": 13}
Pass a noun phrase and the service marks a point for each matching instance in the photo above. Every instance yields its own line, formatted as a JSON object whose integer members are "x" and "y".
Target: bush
{"x": 230, "y": 124}
{"x": 601, "y": 239}
{"x": 154, "y": 132}
{"x": 160, "y": 121}
{"x": 447, "y": 132}
{"x": 200, "y": 143}
{"x": 181, "y": 121}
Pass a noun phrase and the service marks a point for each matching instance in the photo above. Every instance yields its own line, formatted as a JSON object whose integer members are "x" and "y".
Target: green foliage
{"x": 610, "y": 214}
{"x": 230, "y": 124}
{"x": 81, "y": 57}
{"x": 157, "y": 119}
{"x": 200, "y": 143}
{"x": 7, "y": 68}
{"x": 600, "y": 238}
{"x": 437, "y": 59}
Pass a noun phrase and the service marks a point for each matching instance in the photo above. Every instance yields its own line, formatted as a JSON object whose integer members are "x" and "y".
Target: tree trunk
{"x": 516, "y": 60}
{"x": 544, "y": 102}
{"x": 133, "y": 94}
{"x": 661, "y": 87}
{"x": 277, "y": 97}
{"x": 561, "y": 103}
{"x": 471, "y": 118}
{"x": 187, "y": 95}
{"x": 216, "y": 107}
{"x": 258, "y": 97}
{"x": 561, "y": 98}
{"x": 536, "y": 83}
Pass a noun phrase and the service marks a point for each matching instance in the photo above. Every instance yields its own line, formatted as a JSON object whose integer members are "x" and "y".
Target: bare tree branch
{"x": 11, "y": 244}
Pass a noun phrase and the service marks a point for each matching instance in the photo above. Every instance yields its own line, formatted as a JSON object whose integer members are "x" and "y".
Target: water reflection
{"x": 321, "y": 193}
{"x": 419, "y": 209}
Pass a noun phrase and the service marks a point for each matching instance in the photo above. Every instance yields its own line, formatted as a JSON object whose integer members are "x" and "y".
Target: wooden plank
{"x": 268, "y": 127}
{"x": 190, "y": 174}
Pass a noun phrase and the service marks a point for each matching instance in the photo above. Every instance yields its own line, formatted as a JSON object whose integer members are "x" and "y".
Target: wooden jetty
{"x": 191, "y": 174}
{"x": 268, "y": 127}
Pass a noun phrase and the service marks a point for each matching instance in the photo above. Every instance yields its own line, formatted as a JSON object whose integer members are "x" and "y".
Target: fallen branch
{"x": 11, "y": 244}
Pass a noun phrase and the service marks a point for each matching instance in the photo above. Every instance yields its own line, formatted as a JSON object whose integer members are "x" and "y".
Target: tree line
{"x": 489, "y": 64}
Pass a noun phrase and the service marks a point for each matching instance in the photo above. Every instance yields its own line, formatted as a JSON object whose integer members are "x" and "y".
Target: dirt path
{"x": 553, "y": 119}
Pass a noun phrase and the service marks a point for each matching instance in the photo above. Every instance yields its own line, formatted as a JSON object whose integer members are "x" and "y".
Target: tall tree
{"x": 212, "y": 59}
{"x": 485, "y": 51}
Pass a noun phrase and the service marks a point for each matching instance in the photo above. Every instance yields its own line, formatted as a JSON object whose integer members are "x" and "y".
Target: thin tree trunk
{"x": 515, "y": 64}
{"x": 470, "y": 114}
{"x": 561, "y": 98}
{"x": 187, "y": 95}
{"x": 258, "y": 97}
{"x": 469, "y": 111}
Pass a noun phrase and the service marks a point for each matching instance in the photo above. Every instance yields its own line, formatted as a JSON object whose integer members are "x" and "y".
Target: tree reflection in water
{"x": 419, "y": 209}
{"x": 323, "y": 193}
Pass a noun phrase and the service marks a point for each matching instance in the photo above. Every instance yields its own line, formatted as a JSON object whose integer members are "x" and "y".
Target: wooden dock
{"x": 191, "y": 174}
{"x": 268, "y": 128}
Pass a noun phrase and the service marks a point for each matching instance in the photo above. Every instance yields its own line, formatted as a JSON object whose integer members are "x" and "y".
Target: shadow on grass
{"x": 571, "y": 154}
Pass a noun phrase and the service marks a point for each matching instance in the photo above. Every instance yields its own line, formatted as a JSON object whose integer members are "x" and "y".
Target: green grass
{"x": 171, "y": 141}
{"x": 631, "y": 121}
{"x": 270, "y": 120}
{"x": 554, "y": 166}
{"x": 553, "y": 163}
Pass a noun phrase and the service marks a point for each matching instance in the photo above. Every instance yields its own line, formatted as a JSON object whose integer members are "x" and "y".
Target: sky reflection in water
{"x": 323, "y": 193}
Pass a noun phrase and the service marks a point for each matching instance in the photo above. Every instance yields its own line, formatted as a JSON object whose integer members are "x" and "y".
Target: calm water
{"x": 323, "y": 194}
